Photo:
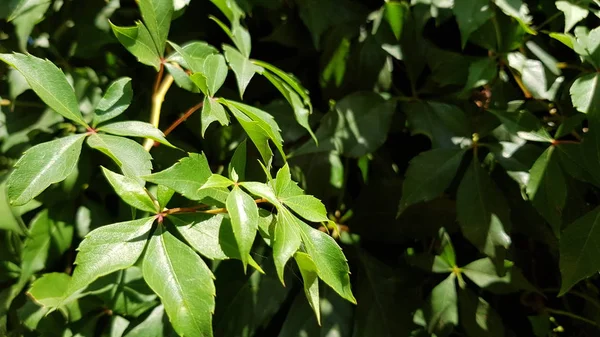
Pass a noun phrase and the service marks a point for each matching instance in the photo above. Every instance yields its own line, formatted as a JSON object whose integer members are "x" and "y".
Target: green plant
{"x": 455, "y": 146}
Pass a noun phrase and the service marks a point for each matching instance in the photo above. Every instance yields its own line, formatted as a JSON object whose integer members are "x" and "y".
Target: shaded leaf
{"x": 440, "y": 313}
{"x": 242, "y": 67}
{"x": 470, "y": 15}
{"x": 477, "y": 317}
{"x": 212, "y": 111}
{"x": 483, "y": 272}
{"x": 308, "y": 270}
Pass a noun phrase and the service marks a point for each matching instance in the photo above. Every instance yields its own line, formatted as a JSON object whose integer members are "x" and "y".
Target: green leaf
{"x": 115, "y": 101}
{"x": 212, "y": 111}
{"x": 481, "y": 72}
{"x": 242, "y": 67}
{"x": 289, "y": 79}
{"x": 130, "y": 191}
{"x": 238, "y": 162}
{"x": 243, "y": 213}
{"x": 135, "y": 129}
{"x": 484, "y": 273}
{"x": 579, "y": 244}
{"x": 183, "y": 282}
{"x": 181, "y": 78}
{"x": 152, "y": 325}
{"x": 192, "y": 55}
{"x": 49, "y": 289}
{"x": 534, "y": 76}
{"x": 131, "y": 157}
{"x": 230, "y": 9}
{"x": 308, "y": 270}
{"x": 518, "y": 10}
{"x": 523, "y": 124}
{"x": 210, "y": 235}
{"x": 547, "y": 188}
{"x": 217, "y": 181}
{"x": 285, "y": 240}
{"x": 471, "y": 15}
{"x": 260, "y": 127}
{"x": 477, "y": 317}
{"x": 428, "y": 175}
{"x": 573, "y": 13}
{"x": 164, "y": 195}
{"x": 41, "y": 166}
{"x": 241, "y": 38}
{"x": 300, "y": 112}
{"x": 49, "y": 83}
{"x": 587, "y": 45}
{"x": 200, "y": 80}
{"x": 394, "y": 14}
{"x": 108, "y": 249}
{"x": 329, "y": 259}
{"x": 138, "y": 41}
{"x": 482, "y": 212}
{"x": 215, "y": 70}
{"x": 157, "y": 17}
{"x": 440, "y": 313}
{"x": 185, "y": 177}
{"x": 585, "y": 94}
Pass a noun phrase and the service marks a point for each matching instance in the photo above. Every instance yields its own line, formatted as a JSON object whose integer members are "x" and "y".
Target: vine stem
{"x": 158, "y": 98}
{"x": 184, "y": 117}
{"x": 571, "y": 315}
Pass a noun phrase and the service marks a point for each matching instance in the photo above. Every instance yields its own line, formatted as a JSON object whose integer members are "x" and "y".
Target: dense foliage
{"x": 300, "y": 168}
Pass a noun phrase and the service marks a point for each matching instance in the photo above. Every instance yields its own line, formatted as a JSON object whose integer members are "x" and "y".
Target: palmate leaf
{"x": 49, "y": 83}
{"x": 183, "y": 282}
{"x": 41, "y": 166}
{"x": 115, "y": 101}
{"x": 292, "y": 196}
{"x": 483, "y": 272}
{"x": 106, "y": 250}
{"x": 192, "y": 55}
{"x": 243, "y": 213}
{"x": 135, "y": 129}
{"x": 157, "y": 17}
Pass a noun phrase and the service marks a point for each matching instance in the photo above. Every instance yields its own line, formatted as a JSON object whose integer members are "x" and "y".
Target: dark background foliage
{"x": 348, "y": 54}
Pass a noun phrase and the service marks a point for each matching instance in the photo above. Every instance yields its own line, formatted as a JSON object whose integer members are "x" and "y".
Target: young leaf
{"x": 440, "y": 314}
{"x": 42, "y": 166}
{"x": 135, "y": 129}
{"x": 131, "y": 157}
{"x": 243, "y": 213}
{"x": 329, "y": 259}
{"x": 212, "y": 111}
{"x": 428, "y": 175}
{"x": 547, "y": 188}
{"x": 157, "y": 17}
{"x": 285, "y": 240}
{"x": 210, "y": 235}
{"x": 139, "y": 43}
{"x": 192, "y": 55}
{"x": 130, "y": 191}
{"x": 308, "y": 270}
{"x": 470, "y": 15}
{"x": 242, "y": 67}
{"x": 238, "y": 162}
{"x": 579, "y": 250}
{"x": 394, "y": 14}
{"x": 115, "y": 101}
{"x": 482, "y": 212}
{"x": 108, "y": 249}
{"x": 215, "y": 70}
{"x": 49, "y": 83}
{"x": 185, "y": 177}
{"x": 183, "y": 282}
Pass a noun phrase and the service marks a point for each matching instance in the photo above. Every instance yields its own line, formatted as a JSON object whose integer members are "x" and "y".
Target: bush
{"x": 449, "y": 147}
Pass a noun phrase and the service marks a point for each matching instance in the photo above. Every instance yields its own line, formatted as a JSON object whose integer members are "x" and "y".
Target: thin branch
{"x": 184, "y": 117}
{"x": 571, "y": 315}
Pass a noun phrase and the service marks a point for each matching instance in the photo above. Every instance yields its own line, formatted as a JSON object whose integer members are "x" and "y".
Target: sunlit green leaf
{"x": 115, "y": 101}
{"x": 157, "y": 17}
{"x": 131, "y": 191}
{"x": 138, "y": 41}
{"x": 135, "y": 129}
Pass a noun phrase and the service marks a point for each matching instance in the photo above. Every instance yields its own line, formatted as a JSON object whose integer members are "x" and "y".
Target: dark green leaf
{"x": 485, "y": 274}
{"x": 238, "y": 162}
{"x": 440, "y": 313}
{"x": 470, "y": 15}
{"x": 428, "y": 175}
{"x": 446, "y": 125}
{"x": 157, "y": 17}
{"x": 477, "y": 317}
{"x": 523, "y": 124}
{"x": 138, "y": 41}
{"x": 42, "y": 166}
{"x": 481, "y": 72}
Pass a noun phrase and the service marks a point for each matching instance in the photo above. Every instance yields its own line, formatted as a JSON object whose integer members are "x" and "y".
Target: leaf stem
{"x": 183, "y": 118}
{"x": 571, "y": 315}
{"x": 157, "y": 99}
{"x": 198, "y": 209}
